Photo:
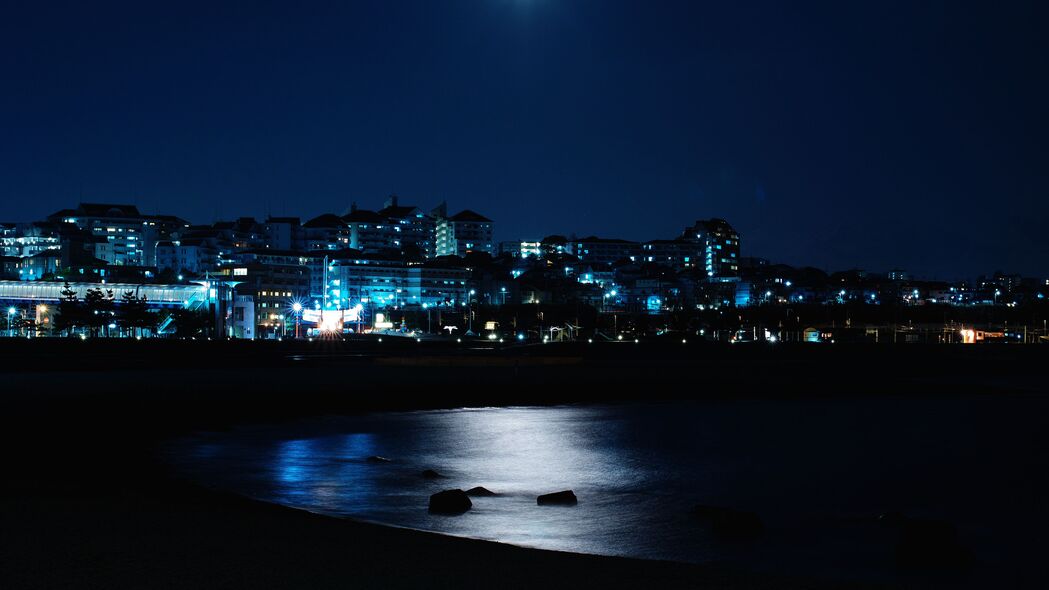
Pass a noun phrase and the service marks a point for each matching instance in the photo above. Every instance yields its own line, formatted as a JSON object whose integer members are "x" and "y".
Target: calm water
{"x": 817, "y": 472}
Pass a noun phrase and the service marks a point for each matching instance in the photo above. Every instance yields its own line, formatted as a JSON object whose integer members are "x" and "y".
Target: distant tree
{"x": 134, "y": 315}
{"x": 70, "y": 311}
{"x": 191, "y": 323}
{"x": 98, "y": 308}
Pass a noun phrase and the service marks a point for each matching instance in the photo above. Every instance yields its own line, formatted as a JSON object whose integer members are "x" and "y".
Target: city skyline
{"x": 499, "y": 240}
{"x": 860, "y": 136}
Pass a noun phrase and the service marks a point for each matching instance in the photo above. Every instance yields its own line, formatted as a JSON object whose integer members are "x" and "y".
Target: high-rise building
{"x": 464, "y": 232}
{"x": 413, "y": 230}
{"x": 128, "y": 237}
{"x": 717, "y": 245}
{"x": 369, "y": 231}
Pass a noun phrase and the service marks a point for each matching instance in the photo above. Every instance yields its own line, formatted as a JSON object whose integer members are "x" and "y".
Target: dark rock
{"x": 729, "y": 522}
{"x": 480, "y": 492}
{"x": 564, "y": 498}
{"x": 450, "y": 502}
{"x": 431, "y": 474}
{"x": 377, "y": 459}
{"x": 926, "y": 543}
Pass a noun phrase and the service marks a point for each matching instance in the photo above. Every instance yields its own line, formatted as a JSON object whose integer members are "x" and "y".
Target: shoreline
{"x": 90, "y": 505}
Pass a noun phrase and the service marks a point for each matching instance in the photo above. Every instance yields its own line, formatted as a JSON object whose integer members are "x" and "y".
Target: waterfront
{"x": 818, "y": 472}
{"x": 92, "y": 496}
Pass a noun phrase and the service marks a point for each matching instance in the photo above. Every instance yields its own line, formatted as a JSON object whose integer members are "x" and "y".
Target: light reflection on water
{"x": 817, "y": 472}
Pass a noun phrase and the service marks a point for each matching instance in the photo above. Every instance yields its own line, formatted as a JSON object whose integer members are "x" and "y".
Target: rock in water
{"x": 480, "y": 492}
{"x": 729, "y": 522}
{"x": 431, "y": 474}
{"x": 564, "y": 498}
{"x": 450, "y": 502}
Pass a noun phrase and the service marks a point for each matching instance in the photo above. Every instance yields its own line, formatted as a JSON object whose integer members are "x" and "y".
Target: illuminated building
{"x": 595, "y": 250}
{"x": 370, "y": 232}
{"x": 123, "y": 236}
{"x": 718, "y": 245}
{"x": 462, "y": 233}
{"x": 673, "y": 253}
{"x": 352, "y": 277}
{"x": 412, "y": 228}
{"x": 243, "y": 322}
{"x": 326, "y": 232}
{"x": 26, "y": 239}
{"x": 39, "y": 265}
{"x": 520, "y": 249}
{"x": 191, "y": 256}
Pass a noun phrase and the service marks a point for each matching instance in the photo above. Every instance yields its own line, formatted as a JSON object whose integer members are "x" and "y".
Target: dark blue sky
{"x": 842, "y": 134}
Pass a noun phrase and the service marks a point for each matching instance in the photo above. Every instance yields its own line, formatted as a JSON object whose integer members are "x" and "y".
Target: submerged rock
{"x": 729, "y": 522}
{"x": 450, "y": 502}
{"x": 377, "y": 459}
{"x": 926, "y": 543}
{"x": 431, "y": 474}
{"x": 480, "y": 492}
{"x": 565, "y": 498}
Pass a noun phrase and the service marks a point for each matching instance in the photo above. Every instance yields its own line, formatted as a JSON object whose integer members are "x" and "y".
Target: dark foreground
{"x": 87, "y": 504}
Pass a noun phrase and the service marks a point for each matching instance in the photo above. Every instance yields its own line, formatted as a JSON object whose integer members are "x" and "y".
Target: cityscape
{"x": 109, "y": 270}
{"x": 524, "y": 294}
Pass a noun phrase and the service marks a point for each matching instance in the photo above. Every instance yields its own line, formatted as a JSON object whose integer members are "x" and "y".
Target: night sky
{"x": 837, "y": 135}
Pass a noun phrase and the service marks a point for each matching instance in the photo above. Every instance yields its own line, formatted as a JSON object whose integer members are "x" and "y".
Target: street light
{"x": 470, "y": 311}
{"x": 10, "y": 313}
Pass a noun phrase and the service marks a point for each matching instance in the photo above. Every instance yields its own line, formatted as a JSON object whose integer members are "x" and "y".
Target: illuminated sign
{"x": 331, "y": 320}
{"x": 381, "y": 323}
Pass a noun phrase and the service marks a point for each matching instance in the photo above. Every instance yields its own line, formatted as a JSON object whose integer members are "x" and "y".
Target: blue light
{"x": 653, "y": 303}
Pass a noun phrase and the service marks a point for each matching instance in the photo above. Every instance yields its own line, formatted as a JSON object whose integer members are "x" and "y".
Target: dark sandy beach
{"x": 87, "y": 504}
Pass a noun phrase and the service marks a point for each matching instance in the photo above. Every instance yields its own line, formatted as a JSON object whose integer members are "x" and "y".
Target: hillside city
{"x": 111, "y": 270}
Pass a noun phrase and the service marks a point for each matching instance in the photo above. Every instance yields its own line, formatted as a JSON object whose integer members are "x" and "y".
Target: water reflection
{"x": 813, "y": 471}
{"x": 324, "y": 474}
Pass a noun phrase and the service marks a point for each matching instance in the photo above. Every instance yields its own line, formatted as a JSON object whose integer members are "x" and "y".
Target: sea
{"x": 817, "y": 472}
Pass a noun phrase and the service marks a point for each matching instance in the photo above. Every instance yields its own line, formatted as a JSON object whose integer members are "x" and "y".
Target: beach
{"x": 88, "y": 504}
